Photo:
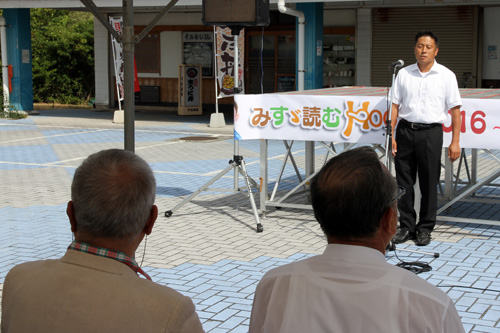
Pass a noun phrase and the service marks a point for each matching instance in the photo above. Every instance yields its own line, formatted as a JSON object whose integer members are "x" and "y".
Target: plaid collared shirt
{"x": 102, "y": 252}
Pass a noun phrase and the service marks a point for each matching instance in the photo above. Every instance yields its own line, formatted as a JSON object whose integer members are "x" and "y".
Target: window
{"x": 147, "y": 54}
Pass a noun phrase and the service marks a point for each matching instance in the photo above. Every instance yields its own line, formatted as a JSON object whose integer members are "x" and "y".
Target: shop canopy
{"x": 119, "y": 3}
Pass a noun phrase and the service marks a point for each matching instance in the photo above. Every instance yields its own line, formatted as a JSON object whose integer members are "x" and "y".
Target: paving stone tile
{"x": 492, "y": 315}
{"x": 479, "y": 308}
{"x": 201, "y": 288}
{"x": 218, "y": 307}
{"x": 210, "y": 325}
{"x": 209, "y": 249}
{"x": 466, "y": 301}
{"x": 485, "y": 329}
{"x": 232, "y": 322}
{"x": 204, "y": 315}
{"x": 225, "y": 315}
{"x": 240, "y": 328}
{"x": 213, "y": 300}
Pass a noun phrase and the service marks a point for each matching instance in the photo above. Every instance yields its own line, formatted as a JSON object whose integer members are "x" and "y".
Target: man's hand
{"x": 454, "y": 148}
{"x": 454, "y": 151}
{"x": 394, "y": 121}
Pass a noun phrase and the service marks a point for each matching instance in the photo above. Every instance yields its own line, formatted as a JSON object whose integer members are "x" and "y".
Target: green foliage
{"x": 10, "y": 111}
{"x": 63, "y": 56}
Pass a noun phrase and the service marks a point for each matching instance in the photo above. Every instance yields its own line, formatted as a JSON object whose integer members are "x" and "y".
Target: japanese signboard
{"x": 198, "y": 49}
{"x": 225, "y": 60}
{"x": 190, "y": 90}
{"x": 359, "y": 119}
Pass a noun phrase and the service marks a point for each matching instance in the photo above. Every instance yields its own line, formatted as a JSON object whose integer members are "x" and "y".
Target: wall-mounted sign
{"x": 285, "y": 82}
{"x": 198, "y": 49}
{"x": 26, "y": 56}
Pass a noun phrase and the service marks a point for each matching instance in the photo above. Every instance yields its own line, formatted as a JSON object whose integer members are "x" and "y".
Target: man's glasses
{"x": 399, "y": 195}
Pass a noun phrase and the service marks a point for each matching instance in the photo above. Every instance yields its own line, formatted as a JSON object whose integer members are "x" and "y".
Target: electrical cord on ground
{"x": 416, "y": 267}
{"x": 467, "y": 287}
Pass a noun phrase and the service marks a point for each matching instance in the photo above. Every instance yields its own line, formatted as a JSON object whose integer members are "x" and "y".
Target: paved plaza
{"x": 209, "y": 248}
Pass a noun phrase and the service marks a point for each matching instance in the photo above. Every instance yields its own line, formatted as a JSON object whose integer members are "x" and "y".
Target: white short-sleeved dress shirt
{"x": 349, "y": 289}
{"x": 425, "y": 97}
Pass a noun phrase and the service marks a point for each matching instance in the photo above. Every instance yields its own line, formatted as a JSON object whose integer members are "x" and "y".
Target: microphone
{"x": 399, "y": 63}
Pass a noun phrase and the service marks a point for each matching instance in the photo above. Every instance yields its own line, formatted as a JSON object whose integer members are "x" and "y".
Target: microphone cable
{"x": 416, "y": 267}
{"x": 467, "y": 287}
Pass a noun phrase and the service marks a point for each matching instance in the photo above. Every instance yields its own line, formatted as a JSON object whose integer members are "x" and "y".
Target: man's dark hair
{"x": 427, "y": 34}
{"x": 351, "y": 193}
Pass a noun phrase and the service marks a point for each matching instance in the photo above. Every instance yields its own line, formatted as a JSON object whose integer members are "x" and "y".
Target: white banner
{"x": 225, "y": 60}
{"x": 357, "y": 119}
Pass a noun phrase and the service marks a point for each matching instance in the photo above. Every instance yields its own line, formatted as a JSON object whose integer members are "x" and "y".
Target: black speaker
{"x": 236, "y": 12}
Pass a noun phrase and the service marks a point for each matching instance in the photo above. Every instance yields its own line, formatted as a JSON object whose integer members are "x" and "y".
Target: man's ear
{"x": 389, "y": 221}
{"x": 148, "y": 228}
{"x": 70, "y": 211}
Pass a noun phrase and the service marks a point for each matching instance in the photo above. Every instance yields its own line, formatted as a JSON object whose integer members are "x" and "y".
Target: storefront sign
{"x": 357, "y": 119}
{"x": 225, "y": 60}
{"x": 190, "y": 90}
{"x": 198, "y": 50}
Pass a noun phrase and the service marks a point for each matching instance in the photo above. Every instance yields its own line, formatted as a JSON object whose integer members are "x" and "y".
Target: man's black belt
{"x": 419, "y": 126}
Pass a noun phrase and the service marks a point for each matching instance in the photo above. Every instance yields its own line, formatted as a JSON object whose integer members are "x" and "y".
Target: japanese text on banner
{"x": 225, "y": 60}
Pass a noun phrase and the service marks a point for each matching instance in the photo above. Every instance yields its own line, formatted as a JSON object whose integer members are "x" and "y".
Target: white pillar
{"x": 101, "y": 63}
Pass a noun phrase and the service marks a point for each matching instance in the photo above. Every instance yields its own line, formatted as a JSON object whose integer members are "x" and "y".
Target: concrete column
{"x": 313, "y": 44}
{"x": 19, "y": 55}
{"x": 364, "y": 47}
{"x": 313, "y": 62}
{"x": 101, "y": 65}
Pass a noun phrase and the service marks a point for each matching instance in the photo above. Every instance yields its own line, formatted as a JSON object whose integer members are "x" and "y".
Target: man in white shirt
{"x": 422, "y": 95}
{"x": 350, "y": 287}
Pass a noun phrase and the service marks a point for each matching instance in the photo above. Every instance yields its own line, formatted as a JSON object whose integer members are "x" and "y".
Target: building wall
{"x": 339, "y": 17}
{"x": 491, "y": 47}
{"x": 171, "y": 53}
{"x": 360, "y": 18}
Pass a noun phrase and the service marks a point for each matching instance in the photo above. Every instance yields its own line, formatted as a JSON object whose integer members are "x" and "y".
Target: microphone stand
{"x": 388, "y": 133}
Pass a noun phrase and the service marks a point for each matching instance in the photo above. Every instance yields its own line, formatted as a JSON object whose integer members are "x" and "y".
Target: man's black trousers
{"x": 418, "y": 151}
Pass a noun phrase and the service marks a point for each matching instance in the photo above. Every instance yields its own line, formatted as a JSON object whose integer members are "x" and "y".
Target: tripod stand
{"x": 237, "y": 163}
{"x": 388, "y": 149}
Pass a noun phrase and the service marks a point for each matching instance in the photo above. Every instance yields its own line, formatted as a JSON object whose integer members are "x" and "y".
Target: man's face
{"x": 425, "y": 50}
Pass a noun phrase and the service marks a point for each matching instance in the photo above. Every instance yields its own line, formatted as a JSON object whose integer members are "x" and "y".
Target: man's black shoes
{"x": 402, "y": 236}
{"x": 423, "y": 238}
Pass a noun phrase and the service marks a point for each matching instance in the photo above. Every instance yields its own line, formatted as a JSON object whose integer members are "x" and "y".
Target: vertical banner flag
{"x": 117, "y": 47}
{"x": 225, "y": 60}
{"x": 116, "y": 23}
